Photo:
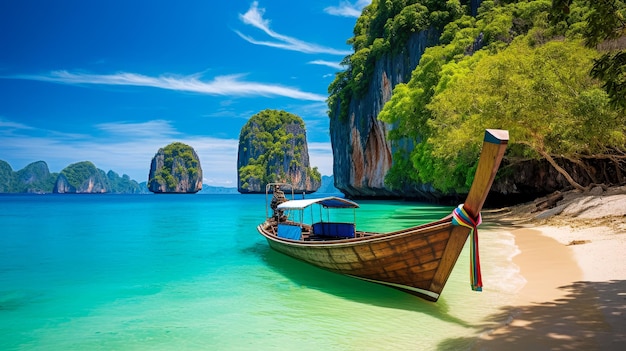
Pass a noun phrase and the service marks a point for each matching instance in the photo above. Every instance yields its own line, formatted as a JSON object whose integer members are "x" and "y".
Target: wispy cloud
{"x": 229, "y": 85}
{"x": 347, "y": 8}
{"x": 9, "y": 125}
{"x": 254, "y": 17}
{"x": 335, "y": 65}
{"x": 149, "y": 129}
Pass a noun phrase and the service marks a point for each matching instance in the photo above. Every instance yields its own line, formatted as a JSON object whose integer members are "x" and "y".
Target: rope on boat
{"x": 460, "y": 217}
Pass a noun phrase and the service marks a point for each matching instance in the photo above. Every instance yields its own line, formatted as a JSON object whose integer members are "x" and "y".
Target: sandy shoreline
{"x": 574, "y": 260}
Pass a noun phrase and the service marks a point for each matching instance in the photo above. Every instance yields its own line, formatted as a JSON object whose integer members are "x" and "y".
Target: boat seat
{"x": 289, "y": 231}
{"x": 336, "y": 229}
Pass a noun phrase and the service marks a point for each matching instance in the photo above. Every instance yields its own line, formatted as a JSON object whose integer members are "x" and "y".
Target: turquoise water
{"x": 190, "y": 272}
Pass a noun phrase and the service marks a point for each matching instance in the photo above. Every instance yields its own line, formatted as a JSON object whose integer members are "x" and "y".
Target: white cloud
{"x": 321, "y": 156}
{"x": 149, "y": 129}
{"x": 335, "y": 65}
{"x": 10, "y": 125}
{"x": 254, "y": 17}
{"x": 230, "y": 85}
{"x": 347, "y": 8}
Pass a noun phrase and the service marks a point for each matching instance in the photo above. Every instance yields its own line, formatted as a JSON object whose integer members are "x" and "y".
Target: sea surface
{"x": 190, "y": 272}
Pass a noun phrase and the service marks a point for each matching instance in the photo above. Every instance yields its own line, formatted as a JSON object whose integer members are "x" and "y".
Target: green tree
{"x": 542, "y": 95}
{"x": 606, "y": 30}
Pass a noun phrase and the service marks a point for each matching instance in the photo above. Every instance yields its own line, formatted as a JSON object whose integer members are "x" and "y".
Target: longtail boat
{"x": 417, "y": 260}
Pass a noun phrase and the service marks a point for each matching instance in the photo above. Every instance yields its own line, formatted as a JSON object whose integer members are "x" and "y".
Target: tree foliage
{"x": 172, "y": 152}
{"x": 384, "y": 27}
{"x": 79, "y": 172}
{"x": 543, "y": 96}
{"x": 606, "y": 29}
{"x": 276, "y": 143}
{"x": 123, "y": 184}
{"x": 529, "y": 75}
{"x": 7, "y": 177}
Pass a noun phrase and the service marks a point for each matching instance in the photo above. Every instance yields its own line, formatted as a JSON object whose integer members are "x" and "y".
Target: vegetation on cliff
{"x": 517, "y": 65}
{"x": 272, "y": 147}
{"x": 173, "y": 165}
{"x": 77, "y": 173}
{"x": 384, "y": 27}
{"x": 34, "y": 178}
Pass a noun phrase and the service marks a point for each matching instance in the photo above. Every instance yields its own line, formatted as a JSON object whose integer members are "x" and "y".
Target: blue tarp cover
{"x": 289, "y": 231}
{"x": 343, "y": 230}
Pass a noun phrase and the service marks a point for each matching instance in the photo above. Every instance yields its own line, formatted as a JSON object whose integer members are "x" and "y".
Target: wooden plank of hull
{"x": 407, "y": 260}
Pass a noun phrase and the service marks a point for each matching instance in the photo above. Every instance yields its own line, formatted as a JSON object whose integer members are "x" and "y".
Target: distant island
{"x": 175, "y": 169}
{"x": 77, "y": 178}
{"x": 85, "y": 178}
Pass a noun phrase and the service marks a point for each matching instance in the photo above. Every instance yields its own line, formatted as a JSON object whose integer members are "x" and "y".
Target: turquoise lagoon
{"x": 190, "y": 272}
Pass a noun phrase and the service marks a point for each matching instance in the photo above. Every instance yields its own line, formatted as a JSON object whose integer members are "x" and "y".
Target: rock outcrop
{"x": 6, "y": 177}
{"x": 35, "y": 178}
{"x": 81, "y": 178}
{"x": 175, "y": 169}
{"x": 361, "y": 152}
{"x": 273, "y": 148}
{"x": 123, "y": 184}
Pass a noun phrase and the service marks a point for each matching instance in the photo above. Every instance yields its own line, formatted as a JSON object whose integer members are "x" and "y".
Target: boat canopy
{"x": 327, "y": 202}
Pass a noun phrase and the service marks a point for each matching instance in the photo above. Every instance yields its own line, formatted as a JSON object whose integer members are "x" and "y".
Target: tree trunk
{"x": 561, "y": 170}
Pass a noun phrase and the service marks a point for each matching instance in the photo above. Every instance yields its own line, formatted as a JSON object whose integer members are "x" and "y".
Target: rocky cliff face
{"x": 34, "y": 178}
{"x": 362, "y": 154}
{"x": 175, "y": 169}
{"x": 62, "y": 186}
{"x": 81, "y": 178}
{"x": 273, "y": 148}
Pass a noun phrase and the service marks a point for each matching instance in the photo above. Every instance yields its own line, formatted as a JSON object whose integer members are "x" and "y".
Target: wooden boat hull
{"x": 417, "y": 260}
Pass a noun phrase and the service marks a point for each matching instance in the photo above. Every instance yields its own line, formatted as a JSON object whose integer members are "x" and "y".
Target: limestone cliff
{"x": 35, "y": 178}
{"x": 361, "y": 151}
{"x": 273, "y": 148}
{"x": 362, "y": 154}
{"x": 175, "y": 169}
{"x": 81, "y": 178}
{"x": 6, "y": 177}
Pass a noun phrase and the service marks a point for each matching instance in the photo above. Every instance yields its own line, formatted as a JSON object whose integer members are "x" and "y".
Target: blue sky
{"x": 113, "y": 81}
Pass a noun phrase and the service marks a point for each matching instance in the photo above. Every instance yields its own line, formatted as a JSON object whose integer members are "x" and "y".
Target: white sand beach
{"x": 573, "y": 257}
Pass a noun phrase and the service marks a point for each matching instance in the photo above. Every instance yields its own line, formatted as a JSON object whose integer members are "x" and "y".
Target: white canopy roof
{"x": 329, "y": 202}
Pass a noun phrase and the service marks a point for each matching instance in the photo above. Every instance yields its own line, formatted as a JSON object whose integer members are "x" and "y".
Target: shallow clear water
{"x": 190, "y": 272}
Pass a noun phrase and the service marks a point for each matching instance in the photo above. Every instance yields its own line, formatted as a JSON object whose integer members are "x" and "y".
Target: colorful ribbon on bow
{"x": 460, "y": 217}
